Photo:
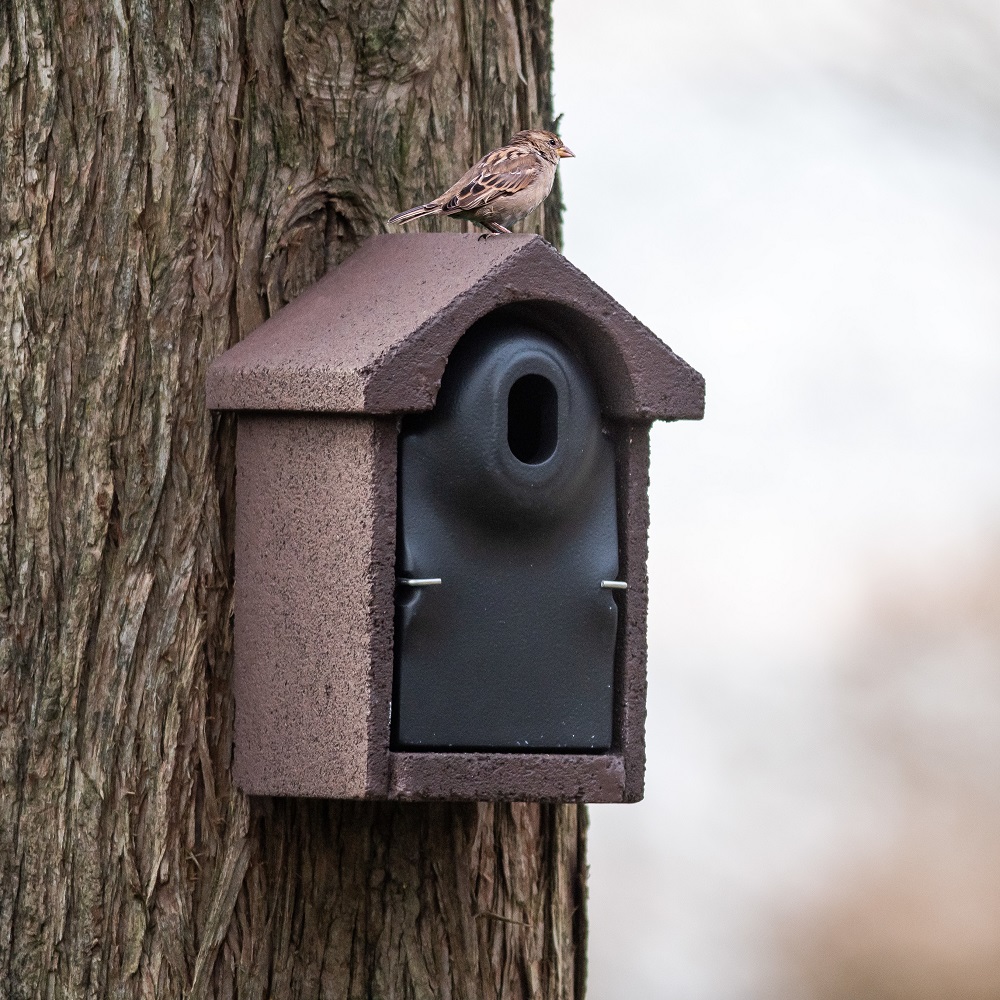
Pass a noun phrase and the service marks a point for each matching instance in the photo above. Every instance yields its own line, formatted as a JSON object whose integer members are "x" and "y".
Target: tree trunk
{"x": 170, "y": 174}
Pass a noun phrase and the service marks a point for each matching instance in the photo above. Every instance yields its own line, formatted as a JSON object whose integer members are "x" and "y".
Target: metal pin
{"x": 429, "y": 581}
{"x": 614, "y": 585}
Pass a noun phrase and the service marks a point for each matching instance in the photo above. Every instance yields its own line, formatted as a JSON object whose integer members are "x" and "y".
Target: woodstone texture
{"x": 170, "y": 174}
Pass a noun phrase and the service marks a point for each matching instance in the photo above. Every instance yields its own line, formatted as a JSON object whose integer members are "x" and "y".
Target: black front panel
{"x": 507, "y": 496}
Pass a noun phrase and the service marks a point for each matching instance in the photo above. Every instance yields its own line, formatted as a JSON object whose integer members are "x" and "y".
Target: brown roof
{"x": 374, "y": 334}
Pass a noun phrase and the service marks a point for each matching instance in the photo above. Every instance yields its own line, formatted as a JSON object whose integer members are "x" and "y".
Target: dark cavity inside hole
{"x": 532, "y": 419}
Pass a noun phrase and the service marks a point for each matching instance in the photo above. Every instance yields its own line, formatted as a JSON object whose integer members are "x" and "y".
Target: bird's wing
{"x": 503, "y": 172}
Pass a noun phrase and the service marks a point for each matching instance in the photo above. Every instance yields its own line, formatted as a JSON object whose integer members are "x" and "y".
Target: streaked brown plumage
{"x": 503, "y": 187}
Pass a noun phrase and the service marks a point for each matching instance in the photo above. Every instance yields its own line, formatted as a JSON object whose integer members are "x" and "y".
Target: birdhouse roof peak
{"x": 374, "y": 334}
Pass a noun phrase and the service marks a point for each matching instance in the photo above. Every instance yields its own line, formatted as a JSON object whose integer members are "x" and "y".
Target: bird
{"x": 503, "y": 187}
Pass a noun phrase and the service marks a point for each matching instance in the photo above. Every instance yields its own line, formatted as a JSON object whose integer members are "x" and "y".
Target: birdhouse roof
{"x": 374, "y": 334}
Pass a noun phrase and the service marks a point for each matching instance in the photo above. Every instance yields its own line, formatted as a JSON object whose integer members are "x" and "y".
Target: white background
{"x": 803, "y": 200}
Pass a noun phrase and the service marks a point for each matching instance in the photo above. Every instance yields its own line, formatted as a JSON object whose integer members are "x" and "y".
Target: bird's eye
{"x": 553, "y": 142}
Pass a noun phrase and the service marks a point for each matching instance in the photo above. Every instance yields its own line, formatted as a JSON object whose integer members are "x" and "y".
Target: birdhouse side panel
{"x": 307, "y": 523}
{"x": 632, "y": 447}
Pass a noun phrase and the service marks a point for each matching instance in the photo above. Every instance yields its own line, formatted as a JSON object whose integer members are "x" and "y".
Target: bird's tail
{"x": 414, "y": 213}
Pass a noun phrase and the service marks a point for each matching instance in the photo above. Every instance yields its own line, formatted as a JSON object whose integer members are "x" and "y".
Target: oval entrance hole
{"x": 532, "y": 419}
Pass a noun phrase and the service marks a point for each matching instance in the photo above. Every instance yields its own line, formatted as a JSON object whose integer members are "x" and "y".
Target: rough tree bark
{"x": 170, "y": 174}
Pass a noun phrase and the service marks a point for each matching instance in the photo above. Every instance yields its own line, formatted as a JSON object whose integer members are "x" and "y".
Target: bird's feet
{"x": 495, "y": 230}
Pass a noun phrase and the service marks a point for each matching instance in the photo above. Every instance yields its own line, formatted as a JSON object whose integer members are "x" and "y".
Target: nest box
{"x": 441, "y": 518}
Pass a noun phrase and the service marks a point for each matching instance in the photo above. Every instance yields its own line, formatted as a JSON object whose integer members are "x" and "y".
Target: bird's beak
{"x": 566, "y": 151}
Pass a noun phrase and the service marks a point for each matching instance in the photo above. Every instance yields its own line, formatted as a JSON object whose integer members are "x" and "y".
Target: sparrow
{"x": 503, "y": 187}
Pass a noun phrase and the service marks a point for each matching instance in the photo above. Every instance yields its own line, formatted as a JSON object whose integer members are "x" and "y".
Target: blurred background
{"x": 802, "y": 197}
